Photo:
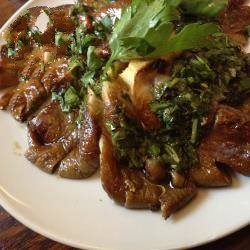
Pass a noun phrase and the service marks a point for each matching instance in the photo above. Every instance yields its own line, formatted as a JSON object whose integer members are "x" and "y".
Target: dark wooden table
{"x": 14, "y": 235}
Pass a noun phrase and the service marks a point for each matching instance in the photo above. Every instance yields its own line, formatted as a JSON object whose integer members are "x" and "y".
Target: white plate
{"x": 80, "y": 214}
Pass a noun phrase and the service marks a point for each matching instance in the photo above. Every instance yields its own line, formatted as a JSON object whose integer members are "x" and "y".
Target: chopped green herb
{"x": 11, "y": 52}
{"x": 93, "y": 61}
{"x": 107, "y": 22}
{"x": 154, "y": 150}
{"x": 77, "y": 10}
{"x": 25, "y": 13}
{"x": 80, "y": 41}
{"x": 60, "y": 38}
{"x": 68, "y": 100}
{"x": 184, "y": 101}
{"x": 172, "y": 154}
{"x": 71, "y": 97}
{"x": 88, "y": 78}
{"x": 194, "y": 134}
{"x": 75, "y": 66}
{"x": 19, "y": 44}
{"x": 127, "y": 138}
{"x": 35, "y": 34}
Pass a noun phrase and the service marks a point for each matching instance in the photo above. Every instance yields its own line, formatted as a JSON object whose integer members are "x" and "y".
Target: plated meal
{"x": 154, "y": 93}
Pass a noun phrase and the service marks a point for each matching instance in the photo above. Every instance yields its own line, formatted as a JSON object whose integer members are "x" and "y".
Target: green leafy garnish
{"x": 80, "y": 41}
{"x": 11, "y": 52}
{"x": 154, "y": 150}
{"x": 75, "y": 66}
{"x": 146, "y": 30}
{"x": 93, "y": 61}
{"x": 138, "y": 26}
{"x": 25, "y": 13}
{"x": 88, "y": 78}
{"x": 69, "y": 99}
{"x": 19, "y": 44}
{"x": 107, "y": 23}
{"x": 60, "y": 38}
{"x": 192, "y": 36}
{"x": 127, "y": 138}
{"x": 35, "y": 34}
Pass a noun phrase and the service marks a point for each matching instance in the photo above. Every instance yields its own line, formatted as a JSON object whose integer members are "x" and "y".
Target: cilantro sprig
{"x": 146, "y": 30}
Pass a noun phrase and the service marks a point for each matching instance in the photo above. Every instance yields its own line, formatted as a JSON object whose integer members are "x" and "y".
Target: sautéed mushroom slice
{"x": 232, "y": 133}
{"x": 52, "y": 134}
{"x": 29, "y": 95}
{"x": 129, "y": 187}
{"x": 83, "y": 160}
{"x": 228, "y": 143}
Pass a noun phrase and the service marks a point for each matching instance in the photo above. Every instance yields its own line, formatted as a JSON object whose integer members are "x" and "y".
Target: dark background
{"x": 14, "y": 235}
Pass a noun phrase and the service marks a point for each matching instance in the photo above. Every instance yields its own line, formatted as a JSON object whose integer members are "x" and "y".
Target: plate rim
{"x": 13, "y": 211}
{"x": 44, "y": 232}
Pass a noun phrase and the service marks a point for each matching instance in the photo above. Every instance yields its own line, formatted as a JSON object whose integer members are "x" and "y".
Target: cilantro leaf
{"x": 71, "y": 97}
{"x": 88, "y": 78}
{"x": 107, "y": 22}
{"x": 146, "y": 30}
{"x": 68, "y": 99}
{"x": 194, "y": 35}
{"x": 138, "y": 26}
{"x": 93, "y": 61}
{"x": 60, "y": 38}
{"x": 11, "y": 52}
